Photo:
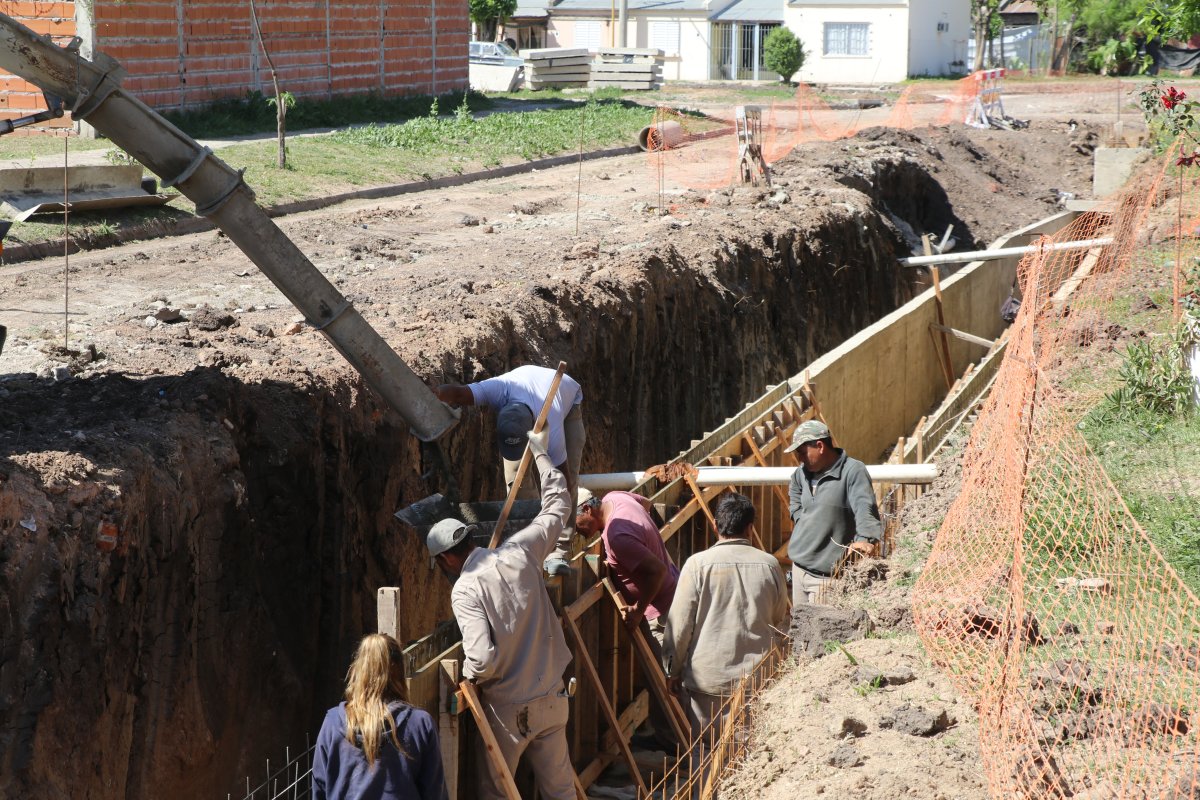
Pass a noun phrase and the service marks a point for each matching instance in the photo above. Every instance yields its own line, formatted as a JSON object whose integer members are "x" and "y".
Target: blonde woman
{"x": 375, "y": 746}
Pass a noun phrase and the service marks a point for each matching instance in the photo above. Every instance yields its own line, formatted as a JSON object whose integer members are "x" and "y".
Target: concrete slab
{"x": 1113, "y": 166}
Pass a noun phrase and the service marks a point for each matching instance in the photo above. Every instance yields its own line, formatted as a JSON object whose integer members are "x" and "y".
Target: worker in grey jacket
{"x": 730, "y": 608}
{"x": 513, "y": 644}
{"x": 833, "y": 511}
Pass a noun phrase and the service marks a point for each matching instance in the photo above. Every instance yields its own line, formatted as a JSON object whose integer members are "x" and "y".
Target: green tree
{"x": 1169, "y": 19}
{"x": 488, "y": 14}
{"x": 783, "y": 52}
{"x": 983, "y": 15}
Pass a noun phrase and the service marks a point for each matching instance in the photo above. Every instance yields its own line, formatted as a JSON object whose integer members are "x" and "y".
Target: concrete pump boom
{"x": 91, "y": 89}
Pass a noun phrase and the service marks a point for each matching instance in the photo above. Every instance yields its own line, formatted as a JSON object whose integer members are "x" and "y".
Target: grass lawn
{"x": 421, "y": 148}
{"x": 24, "y": 146}
{"x": 1153, "y": 459}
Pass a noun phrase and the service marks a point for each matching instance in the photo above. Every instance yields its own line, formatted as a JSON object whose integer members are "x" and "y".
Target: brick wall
{"x": 184, "y": 53}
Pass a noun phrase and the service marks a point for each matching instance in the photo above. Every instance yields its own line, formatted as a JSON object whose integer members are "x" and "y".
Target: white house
{"x": 700, "y": 39}
{"x": 845, "y": 41}
{"x": 879, "y": 41}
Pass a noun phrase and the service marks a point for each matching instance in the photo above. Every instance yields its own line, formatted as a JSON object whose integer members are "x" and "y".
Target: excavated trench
{"x": 187, "y": 565}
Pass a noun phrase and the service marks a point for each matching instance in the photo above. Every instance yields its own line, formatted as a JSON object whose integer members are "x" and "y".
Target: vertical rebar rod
{"x": 66, "y": 247}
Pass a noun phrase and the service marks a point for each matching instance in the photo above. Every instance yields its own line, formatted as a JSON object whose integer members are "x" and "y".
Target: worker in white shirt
{"x": 518, "y": 397}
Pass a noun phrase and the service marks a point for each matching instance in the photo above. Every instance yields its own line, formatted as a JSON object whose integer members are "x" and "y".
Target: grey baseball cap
{"x": 445, "y": 535}
{"x": 811, "y": 431}
{"x": 513, "y": 424}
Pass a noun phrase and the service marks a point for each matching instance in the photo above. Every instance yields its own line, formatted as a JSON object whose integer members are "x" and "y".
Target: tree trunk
{"x": 1062, "y": 52}
{"x": 980, "y": 8}
{"x": 280, "y": 123}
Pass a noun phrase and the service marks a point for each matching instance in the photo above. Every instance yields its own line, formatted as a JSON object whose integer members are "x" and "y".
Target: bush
{"x": 783, "y": 52}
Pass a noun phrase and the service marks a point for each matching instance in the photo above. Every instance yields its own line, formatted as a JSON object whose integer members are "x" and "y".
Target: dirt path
{"x": 482, "y": 246}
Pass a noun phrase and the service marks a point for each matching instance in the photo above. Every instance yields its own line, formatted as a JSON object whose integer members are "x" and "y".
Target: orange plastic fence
{"x": 704, "y": 159}
{"x": 1043, "y": 598}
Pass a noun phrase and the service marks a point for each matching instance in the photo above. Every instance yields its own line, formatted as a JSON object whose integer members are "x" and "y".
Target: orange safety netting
{"x": 699, "y": 156}
{"x": 1043, "y": 598}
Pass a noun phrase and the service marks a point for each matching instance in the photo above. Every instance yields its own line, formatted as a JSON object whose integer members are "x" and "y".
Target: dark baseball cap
{"x": 513, "y": 424}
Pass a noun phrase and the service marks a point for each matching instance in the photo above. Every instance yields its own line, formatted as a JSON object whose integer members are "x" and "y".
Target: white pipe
{"x": 1001, "y": 252}
{"x": 759, "y": 476}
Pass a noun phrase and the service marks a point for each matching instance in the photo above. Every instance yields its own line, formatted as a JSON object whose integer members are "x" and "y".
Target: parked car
{"x": 494, "y": 53}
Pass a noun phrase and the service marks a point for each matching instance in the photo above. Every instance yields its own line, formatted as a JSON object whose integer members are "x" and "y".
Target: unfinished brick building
{"x": 184, "y": 53}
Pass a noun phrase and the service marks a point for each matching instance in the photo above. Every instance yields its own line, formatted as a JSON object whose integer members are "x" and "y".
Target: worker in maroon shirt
{"x": 635, "y": 551}
{"x": 646, "y": 575}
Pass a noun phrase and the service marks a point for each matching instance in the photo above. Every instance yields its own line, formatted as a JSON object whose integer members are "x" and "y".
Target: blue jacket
{"x": 340, "y": 770}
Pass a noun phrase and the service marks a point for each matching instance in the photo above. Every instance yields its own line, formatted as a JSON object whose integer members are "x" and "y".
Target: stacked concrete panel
{"x": 627, "y": 68}
{"x": 556, "y": 67}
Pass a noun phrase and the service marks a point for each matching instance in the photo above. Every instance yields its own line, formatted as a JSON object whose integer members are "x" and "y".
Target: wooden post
{"x": 779, "y": 493}
{"x": 387, "y": 612}
{"x": 919, "y": 434}
{"x": 948, "y": 365}
{"x": 695, "y": 487}
{"x": 654, "y": 674}
{"x": 507, "y": 784}
{"x": 610, "y": 714}
{"x": 448, "y": 723}
{"x": 527, "y": 456}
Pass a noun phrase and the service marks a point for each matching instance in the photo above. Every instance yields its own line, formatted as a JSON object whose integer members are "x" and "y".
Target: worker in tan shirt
{"x": 730, "y": 608}
{"x": 513, "y": 644}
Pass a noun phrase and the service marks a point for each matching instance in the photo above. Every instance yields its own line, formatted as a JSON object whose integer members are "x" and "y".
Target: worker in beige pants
{"x": 513, "y": 644}
{"x": 536, "y": 729}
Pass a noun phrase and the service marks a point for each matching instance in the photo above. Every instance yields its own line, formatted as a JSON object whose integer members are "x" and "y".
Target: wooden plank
{"x": 762, "y": 462}
{"x": 691, "y": 482}
{"x": 423, "y": 691}
{"x": 585, "y": 601}
{"x": 631, "y": 718}
{"x": 387, "y": 612}
{"x": 448, "y": 727}
{"x": 507, "y": 784}
{"x": 948, "y": 364}
{"x": 684, "y": 514}
{"x": 966, "y": 337}
{"x": 653, "y": 671}
{"x": 610, "y": 715}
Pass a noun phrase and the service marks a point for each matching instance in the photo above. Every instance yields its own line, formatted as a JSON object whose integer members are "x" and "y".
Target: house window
{"x": 587, "y": 34}
{"x": 665, "y": 36}
{"x": 737, "y": 51}
{"x": 847, "y": 38}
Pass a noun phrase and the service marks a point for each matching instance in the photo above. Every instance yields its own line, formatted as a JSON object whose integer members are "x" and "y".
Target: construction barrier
{"x": 989, "y": 103}
{"x": 1043, "y": 598}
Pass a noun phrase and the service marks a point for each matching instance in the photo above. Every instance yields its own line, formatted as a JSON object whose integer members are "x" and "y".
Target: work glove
{"x": 539, "y": 443}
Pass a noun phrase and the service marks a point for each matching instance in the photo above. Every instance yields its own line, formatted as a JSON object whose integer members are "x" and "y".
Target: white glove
{"x": 539, "y": 443}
